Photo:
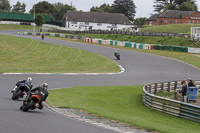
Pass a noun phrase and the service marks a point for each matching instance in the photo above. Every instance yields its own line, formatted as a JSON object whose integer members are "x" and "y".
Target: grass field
{"x": 172, "y": 28}
{"x": 145, "y": 39}
{"x": 26, "y": 55}
{"x": 121, "y": 103}
{"x": 14, "y": 27}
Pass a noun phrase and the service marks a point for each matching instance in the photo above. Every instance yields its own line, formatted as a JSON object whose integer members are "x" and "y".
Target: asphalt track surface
{"x": 140, "y": 68}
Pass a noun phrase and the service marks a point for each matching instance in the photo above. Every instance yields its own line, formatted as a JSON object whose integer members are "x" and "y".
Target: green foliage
{"x": 126, "y": 7}
{"x": 188, "y": 6}
{"x": 57, "y": 11}
{"x": 102, "y": 8}
{"x": 39, "y": 20}
{"x": 61, "y": 10}
{"x": 184, "y": 5}
{"x": 120, "y": 103}
{"x": 19, "y": 8}
{"x": 5, "y": 5}
{"x": 44, "y": 8}
{"x": 139, "y": 21}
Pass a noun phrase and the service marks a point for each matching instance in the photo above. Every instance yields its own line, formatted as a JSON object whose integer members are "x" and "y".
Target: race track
{"x": 140, "y": 68}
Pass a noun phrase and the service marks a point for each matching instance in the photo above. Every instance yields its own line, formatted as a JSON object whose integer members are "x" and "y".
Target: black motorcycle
{"x": 117, "y": 55}
{"x": 42, "y": 36}
{"x": 20, "y": 89}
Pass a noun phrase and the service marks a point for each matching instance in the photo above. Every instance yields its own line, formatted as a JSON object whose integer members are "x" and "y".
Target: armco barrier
{"x": 170, "y": 106}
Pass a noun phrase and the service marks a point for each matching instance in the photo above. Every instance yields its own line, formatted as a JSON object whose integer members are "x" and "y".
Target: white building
{"x": 83, "y": 21}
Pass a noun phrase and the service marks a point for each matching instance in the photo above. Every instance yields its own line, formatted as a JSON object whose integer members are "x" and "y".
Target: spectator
{"x": 184, "y": 91}
{"x": 190, "y": 83}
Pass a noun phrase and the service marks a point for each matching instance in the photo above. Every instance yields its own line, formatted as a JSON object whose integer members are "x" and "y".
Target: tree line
{"x": 58, "y": 10}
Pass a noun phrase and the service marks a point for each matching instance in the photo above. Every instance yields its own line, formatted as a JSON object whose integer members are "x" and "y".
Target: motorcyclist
{"x": 42, "y": 36}
{"x": 41, "y": 91}
{"x": 27, "y": 83}
{"x": 117, "y": 55}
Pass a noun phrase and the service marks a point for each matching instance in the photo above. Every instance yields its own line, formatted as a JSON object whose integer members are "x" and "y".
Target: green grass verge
{"x": 146, "y": 39}
{"x": 121, "y": 103}
{"x": 14, "y": 27}
{"x": 26, "y": 55}
{"x": 171, "y": 28}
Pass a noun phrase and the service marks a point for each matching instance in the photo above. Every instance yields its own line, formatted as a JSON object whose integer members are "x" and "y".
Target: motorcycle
{"x": 117, "y": 55}
{"x": 42, "y": 36}
{"x": 19, "y": 89}
{"x": 32, "y": 102}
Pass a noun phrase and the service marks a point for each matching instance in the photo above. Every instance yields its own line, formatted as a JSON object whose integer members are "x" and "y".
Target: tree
{"x": 44, "y": 8}
{"x": 61, "y": 10}
{"x": 126, "y": 7}
{"x": 140, "y": 21}
{"x": 184, "y": 5}
{"x": 19, "y": 8}
{"x": 187, "y": 6}
{"x": 39, "y": 20}
{"x": 5, "y": 5}
{"x": 102, "y": 8}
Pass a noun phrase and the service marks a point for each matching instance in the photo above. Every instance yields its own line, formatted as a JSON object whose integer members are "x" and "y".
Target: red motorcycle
{"x": 32, "y": 102}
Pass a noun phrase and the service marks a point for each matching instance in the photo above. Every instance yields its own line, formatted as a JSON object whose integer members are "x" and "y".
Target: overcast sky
{"x": 144, "y": 7}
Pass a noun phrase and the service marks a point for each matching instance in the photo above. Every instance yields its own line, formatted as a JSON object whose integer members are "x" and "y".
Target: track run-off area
{"x": 140, "y": 69}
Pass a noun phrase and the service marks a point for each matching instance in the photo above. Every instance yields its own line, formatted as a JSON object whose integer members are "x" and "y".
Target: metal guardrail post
{"x": 149, "y": 88}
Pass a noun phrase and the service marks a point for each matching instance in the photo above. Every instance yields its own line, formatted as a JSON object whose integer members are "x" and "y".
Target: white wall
{"x": 82, "y": 26}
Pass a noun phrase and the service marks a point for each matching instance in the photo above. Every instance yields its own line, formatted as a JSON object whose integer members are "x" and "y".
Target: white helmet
{"x": 29, "y": 79}
{"x": 45, "y": 85}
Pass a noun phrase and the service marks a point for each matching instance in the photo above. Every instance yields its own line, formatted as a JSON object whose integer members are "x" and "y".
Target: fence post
{"x": 162, "y": 86}
{"x": 175, "y": 86}
{"x": 156, "y": 88}
{"x": 150, "y": 89}
{"x": 169, "y": 89}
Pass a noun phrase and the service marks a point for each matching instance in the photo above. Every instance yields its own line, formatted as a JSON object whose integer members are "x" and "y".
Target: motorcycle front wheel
{"x": 16, "y": 95}
{"x": 28, "y": 106}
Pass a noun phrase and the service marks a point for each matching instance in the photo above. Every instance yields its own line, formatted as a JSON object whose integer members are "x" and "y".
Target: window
{"x": 175, "y": 21}
{"x": 87, "y": 23}
{"x": 189, "y": 22}
{"x": 73, "y": 22}
{"x": 114, "y": 24}
{"x": 198, "y": 16}
{"x": 99, "y": 24}
{"x": 197, "y": 22}
{"x": 166, "y": 21}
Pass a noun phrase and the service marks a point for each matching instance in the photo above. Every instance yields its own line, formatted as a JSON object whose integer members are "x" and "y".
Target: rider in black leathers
{"x": 41, "y": 91}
